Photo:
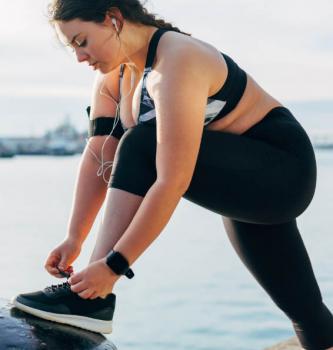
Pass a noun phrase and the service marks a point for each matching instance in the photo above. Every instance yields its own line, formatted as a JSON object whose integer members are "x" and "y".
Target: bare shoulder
{"x": 172, "y": 43}
{"x": 177, "y": 52}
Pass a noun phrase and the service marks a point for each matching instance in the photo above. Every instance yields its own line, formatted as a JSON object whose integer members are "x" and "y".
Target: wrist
{"x": 118, "y": 264}
{"x": 74, "y": 239}
{"x": 78, "y": 230}
{"x": 78, "y": 234}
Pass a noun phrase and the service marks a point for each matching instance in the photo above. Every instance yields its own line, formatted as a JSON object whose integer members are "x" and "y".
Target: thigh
{"x": 250, "y": 180}
{"x": 255, "y": 177}
{"x": 134, "y": 168}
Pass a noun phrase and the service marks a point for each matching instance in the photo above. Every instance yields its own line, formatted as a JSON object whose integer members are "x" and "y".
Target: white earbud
{"x": 114, "y": 21}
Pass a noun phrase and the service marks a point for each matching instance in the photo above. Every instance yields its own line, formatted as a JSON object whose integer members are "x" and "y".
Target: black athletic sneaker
{"x": 58, "y": 303}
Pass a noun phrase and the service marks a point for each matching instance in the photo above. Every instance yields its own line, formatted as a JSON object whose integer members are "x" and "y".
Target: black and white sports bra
{"x": 218, "y": 105}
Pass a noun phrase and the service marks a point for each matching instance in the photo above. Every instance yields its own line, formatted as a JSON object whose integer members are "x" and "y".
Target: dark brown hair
{"x": 95, "y": 11}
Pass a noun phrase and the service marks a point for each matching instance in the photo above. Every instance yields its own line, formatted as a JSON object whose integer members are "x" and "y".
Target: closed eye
{"x": 83, "y": 44}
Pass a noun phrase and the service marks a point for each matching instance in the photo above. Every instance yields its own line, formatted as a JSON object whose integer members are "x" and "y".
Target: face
{"x": 96, "y": 44}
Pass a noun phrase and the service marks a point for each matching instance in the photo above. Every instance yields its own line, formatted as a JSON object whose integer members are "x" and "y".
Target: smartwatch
{"x": 119, "y": 264}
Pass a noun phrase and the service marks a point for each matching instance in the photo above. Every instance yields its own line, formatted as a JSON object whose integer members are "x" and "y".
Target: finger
{"x": 57, "y": 274}
{"x": 79, "y": 287}
{"x": 75, "y": 278}
{"x": 63, "y": 273}
{"x": 69, "y": 270}
{"x": 86, "y": 293}
{"x": 93, "y": 296}
{"x": 53, "y": 271}
{"x": 50, "y": 266}
{"x": 63, "y": 264}
{"x": 53, "y": 260}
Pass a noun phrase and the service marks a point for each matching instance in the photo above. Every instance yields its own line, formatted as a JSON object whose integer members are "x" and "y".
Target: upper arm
{"x": 105, "y": 84}
{"x": 103, "y": 106}
{"x": 180, "y": 91}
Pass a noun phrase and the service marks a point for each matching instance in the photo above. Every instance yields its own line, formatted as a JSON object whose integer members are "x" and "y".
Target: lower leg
{"x": 120, "y": 208}
{"x": 277, "y": 258}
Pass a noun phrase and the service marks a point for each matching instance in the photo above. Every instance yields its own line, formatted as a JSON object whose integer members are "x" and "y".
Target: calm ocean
{"x": 175, "y": 301}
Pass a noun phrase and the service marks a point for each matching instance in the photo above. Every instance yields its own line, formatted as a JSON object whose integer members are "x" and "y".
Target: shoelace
{"x": 63, "y": 273}
{"x": 65, "y": 286}
{"x": 59, "y": 287}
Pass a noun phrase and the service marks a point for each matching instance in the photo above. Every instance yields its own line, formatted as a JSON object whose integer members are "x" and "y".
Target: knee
{"x": 134, "y": 168}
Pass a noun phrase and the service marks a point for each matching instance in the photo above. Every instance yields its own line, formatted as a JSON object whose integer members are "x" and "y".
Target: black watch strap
{"x": 119, "y": 264}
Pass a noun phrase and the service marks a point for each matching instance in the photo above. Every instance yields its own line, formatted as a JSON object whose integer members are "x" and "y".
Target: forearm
{"x": 150, "y": 219}
{"x": 90, "y": 189}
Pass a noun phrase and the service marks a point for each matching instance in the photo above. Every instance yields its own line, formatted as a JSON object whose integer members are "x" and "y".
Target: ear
{"x": 107, "y": 20}
{"x": 114, "y": 12}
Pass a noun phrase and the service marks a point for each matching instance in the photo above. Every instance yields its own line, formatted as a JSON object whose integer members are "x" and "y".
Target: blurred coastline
{"x": 61, "y": 141}
{"x": 26, "y": 131}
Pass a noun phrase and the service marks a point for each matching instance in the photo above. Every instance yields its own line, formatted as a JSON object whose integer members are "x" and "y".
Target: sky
{"x": 286, "y": 46}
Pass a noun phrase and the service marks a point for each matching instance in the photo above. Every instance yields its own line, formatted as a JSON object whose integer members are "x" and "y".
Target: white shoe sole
{"x": 83, "y": 322}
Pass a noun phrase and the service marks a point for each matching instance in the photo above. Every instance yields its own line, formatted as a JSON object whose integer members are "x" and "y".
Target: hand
{"x": 96, "y": 280}
{"x": 62, "y": 257}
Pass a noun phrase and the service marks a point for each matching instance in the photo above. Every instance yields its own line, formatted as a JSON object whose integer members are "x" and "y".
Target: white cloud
{"x": 285, "y": 45}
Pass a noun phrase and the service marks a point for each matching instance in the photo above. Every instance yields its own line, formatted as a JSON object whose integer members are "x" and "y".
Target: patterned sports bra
{"x": 218, "y": 105}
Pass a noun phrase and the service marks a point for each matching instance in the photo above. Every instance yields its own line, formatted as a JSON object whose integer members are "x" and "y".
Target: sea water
{"x": 190, "y": 292}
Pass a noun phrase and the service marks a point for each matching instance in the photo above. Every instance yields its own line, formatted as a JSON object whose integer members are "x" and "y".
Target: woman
{"x": 195, "y": 125}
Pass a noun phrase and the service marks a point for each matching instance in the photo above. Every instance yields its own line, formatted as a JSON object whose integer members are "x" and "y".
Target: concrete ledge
{"x": 19, "y": 330}
{"x": 290, "y": 344}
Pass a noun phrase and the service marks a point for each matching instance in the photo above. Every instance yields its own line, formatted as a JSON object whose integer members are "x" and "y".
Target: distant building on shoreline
{"x": 6, "y": 152}
{"x": 63, "y": 140}
{"x": 66, "y": 140}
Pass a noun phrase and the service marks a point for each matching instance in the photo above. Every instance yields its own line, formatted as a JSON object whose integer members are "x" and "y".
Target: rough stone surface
{"x": 21, "y": 331}
{"x": 290, "y": 344}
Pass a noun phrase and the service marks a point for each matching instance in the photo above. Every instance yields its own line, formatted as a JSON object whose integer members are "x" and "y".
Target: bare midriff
{"x": 252, "y": 107}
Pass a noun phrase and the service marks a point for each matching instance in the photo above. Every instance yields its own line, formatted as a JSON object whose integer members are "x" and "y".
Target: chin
{"x": 103, "y": 70}
{"x": 107, "y": 68}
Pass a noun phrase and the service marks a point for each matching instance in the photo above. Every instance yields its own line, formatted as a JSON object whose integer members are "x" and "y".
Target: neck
{"x": 135, "y": 40}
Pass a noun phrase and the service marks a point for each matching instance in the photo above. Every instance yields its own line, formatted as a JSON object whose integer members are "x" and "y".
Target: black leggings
{"x": 259, "y": 181}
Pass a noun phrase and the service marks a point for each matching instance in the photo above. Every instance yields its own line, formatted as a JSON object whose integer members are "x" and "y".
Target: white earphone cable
{"x": 108, "y": 164}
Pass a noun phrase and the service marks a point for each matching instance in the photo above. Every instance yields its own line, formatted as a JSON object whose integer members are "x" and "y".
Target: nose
{"x": 81, "y": 55}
